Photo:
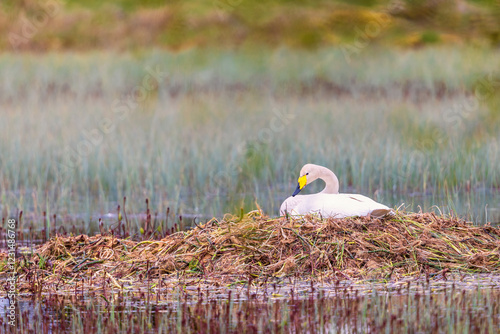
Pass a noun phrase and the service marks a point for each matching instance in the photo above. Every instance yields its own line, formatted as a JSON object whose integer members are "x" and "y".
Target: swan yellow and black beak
{"x": 302, "y": 183}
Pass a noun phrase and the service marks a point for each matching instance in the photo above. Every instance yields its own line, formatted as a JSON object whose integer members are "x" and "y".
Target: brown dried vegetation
{"x": 255, "y": 245}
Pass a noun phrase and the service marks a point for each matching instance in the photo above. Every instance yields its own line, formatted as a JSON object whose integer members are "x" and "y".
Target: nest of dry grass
{"x": 354, "y": 248}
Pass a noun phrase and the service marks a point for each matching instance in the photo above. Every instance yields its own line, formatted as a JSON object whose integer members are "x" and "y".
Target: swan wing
{"x": 340, "y": 205}
{"x": 376, "y": 209}
{"x": 363, "y": 199}
{"x": 290, "y": 205}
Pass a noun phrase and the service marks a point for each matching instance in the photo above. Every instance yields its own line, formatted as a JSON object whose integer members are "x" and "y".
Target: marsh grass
{"x": 220, "y": 130}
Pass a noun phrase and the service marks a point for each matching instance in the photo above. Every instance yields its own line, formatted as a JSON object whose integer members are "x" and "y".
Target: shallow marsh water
{"x": 446, "y": 303}
{"x": 479, "y": 206}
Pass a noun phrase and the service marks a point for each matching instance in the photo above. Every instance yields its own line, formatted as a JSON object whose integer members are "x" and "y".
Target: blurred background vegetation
{"x": 177, "y": 24}
{"x": 399, "y": 98}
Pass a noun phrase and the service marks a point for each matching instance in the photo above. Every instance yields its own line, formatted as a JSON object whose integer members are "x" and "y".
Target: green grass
{"x": 226, "y": 128}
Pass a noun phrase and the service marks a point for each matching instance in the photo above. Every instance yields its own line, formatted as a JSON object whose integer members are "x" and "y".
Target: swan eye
{"x": 307, "y": 173}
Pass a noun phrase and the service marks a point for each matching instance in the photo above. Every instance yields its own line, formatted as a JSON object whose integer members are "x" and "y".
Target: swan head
{"x": 308, "y": 174}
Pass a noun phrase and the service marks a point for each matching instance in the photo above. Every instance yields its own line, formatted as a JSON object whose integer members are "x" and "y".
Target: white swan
{"x": 329, "y": 203}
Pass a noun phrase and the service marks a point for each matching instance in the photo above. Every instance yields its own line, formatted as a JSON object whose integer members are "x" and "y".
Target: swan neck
{"x": 331, "y": 181}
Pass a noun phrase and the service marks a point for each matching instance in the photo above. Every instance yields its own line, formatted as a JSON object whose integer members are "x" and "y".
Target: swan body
{"x": 329, "y": 203}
